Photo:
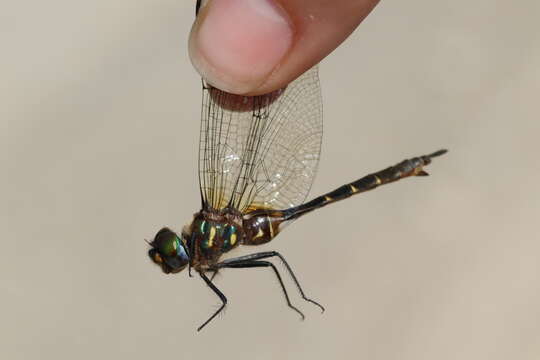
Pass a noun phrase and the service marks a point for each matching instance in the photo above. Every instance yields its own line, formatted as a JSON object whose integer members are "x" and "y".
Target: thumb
{"x": 257, "y": 46}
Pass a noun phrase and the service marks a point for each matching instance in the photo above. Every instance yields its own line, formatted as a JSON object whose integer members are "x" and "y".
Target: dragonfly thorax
{"x": 212, "y": 234}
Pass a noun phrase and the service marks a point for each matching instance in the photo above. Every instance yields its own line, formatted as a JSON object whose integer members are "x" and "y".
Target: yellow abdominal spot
{"x": 233, "y": 239}
{"x": 260, "y": 233}
{"x": 354, "y": 189}
{"x": 270, "y": 226}
{"x": 327, "y": 198}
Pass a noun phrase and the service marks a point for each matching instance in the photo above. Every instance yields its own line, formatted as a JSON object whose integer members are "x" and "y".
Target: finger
{"x": 257, "y": 46}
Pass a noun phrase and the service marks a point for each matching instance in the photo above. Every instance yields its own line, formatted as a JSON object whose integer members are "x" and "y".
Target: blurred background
{"x": 98, "y": 150}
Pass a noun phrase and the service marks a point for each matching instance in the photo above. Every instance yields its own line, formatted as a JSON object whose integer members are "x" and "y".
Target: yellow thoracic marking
{"x": 270, "y": 227}
{"x": 233, "y": 239}
{"x": 212, "y": 236}
{"x": 260, "y": 233}
{"x": 354, "y": 189}
{"x": 327, "y": 198}
{"x": 377, "y": 180}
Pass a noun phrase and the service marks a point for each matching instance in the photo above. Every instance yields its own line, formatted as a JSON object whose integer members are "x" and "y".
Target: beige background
{"x": 99, "y": 130}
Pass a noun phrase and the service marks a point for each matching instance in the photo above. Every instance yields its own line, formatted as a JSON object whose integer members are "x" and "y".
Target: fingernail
{"x": 236, "y": 44}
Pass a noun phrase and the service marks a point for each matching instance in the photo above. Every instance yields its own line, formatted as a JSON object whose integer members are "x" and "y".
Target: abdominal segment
{"x": 262, "y": 228}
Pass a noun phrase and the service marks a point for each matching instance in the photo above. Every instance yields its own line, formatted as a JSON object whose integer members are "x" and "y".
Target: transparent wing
{"x": 260, "y": 151}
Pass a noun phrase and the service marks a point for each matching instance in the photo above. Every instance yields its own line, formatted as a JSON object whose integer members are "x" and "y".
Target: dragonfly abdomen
{"x": 406, "y": 168}
{"x": 262, "y": 228}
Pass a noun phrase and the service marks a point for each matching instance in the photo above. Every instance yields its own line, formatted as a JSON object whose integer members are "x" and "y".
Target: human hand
{"x": 254, "y": 47}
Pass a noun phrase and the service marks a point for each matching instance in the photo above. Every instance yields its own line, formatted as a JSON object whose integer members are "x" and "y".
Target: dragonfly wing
{"x": 260, "y": 151}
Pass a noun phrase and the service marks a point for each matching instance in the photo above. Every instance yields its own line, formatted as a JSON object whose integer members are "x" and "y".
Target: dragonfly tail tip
{"x": 438, "y": 153}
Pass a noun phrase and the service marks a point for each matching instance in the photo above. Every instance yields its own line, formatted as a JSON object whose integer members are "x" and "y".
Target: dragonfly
{"x": 258, "y": 156}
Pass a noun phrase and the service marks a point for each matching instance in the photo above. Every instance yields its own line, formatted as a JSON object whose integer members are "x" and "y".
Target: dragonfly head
{"x": 169, "y": 251}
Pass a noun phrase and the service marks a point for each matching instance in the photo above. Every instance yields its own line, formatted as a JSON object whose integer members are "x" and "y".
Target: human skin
{"x": 253, "y": 47}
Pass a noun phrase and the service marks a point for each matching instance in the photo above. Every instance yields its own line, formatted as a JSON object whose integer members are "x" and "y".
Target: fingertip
{"x": 236, "y": 44}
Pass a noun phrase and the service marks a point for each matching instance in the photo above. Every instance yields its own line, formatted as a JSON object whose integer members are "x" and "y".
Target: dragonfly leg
{"x": 269, "y": 254}
{"x": 214, "y": 273}
{"x": 219, "y": 294}
{"x": 242, "y": 264}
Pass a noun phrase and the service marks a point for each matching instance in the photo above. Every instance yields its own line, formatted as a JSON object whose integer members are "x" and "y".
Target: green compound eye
{"x": 168, "y": 249}
{"x": 167, "y": 243}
